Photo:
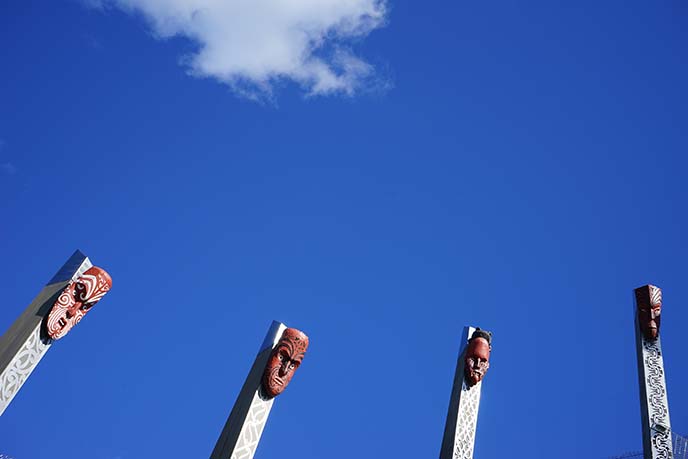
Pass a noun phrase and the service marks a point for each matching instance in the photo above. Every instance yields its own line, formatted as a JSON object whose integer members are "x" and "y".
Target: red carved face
{"x": 477, "y": 360}
{"x": 284, "y": 361}
{"x": 76, "y": 300}
{"x": 649, "y": 301}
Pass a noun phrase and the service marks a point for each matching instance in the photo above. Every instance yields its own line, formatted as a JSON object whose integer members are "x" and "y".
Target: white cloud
{"x": 253, "y": 44}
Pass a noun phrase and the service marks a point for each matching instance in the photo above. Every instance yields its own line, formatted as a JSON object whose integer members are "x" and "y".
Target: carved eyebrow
{"x": 287, "y": 345}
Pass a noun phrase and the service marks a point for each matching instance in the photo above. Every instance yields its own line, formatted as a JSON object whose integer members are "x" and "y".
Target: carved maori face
{"x": 284, "y": 361}
{"x": 76, "y": 300}
{"x": 649, "y": 303}
{"x": 477, "y": 360}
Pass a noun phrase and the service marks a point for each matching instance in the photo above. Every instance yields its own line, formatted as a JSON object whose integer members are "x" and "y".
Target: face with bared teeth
{"x": 477, "y": 360}
{"x": 284, "y": 361}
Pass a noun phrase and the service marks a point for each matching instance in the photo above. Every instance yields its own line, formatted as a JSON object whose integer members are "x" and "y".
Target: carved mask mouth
{"x": 477, "y": 374}
{"x": 650, "y": 329}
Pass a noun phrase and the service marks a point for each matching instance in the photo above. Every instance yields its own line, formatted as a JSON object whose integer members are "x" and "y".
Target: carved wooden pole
{"x": 654, "y": 405}
{"x": 462, "y": 418}
{"x": 62, "y": 303}
{"x": 278, "y": 358}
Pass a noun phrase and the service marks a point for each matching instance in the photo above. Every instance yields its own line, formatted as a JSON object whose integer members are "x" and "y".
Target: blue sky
{"x": 519, "y": 167}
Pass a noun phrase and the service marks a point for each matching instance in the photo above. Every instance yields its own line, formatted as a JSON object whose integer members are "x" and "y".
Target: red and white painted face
{"x": 284, "y": 361}
{"x": 477, "y": 360}
{"x": 76, "y": 300}
{"x": 649, "y": 301}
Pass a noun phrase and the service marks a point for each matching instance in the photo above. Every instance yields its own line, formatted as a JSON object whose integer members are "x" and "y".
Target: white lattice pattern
{"x": 467, "y": 420}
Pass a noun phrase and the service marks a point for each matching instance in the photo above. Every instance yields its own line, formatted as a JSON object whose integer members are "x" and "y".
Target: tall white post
{"x": 462, "y": 418}
{"x": 242, "y": 431}
{"x": 654, "y": 405}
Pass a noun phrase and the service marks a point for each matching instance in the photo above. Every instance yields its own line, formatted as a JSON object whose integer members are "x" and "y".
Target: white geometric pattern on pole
{"x": 462, "y": 418}
{"x": 253, "y": 428}
{"x": 23, "y": 345}
{"x": 21, "y": 366}
{"x": 464, "y": 439}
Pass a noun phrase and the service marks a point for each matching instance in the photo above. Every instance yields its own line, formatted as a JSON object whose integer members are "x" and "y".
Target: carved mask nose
{"x": 284, "y": 368}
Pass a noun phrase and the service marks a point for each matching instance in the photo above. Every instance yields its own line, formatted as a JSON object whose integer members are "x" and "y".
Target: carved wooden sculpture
{"x": 76, "y": 300}
{"x": 649, "y": 306}
{"x": 284, "y": 361}
{"x": 477, "y": 359}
